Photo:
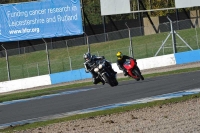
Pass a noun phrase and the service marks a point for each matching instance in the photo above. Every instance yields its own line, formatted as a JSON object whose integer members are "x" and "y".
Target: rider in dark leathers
{"x": 89, "y": 61}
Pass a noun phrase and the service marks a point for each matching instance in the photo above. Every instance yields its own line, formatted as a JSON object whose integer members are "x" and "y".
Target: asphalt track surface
{"x": 97, "y": 95}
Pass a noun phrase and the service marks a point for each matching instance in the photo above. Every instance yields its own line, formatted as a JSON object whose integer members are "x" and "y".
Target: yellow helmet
{"x": 119, "y": 55}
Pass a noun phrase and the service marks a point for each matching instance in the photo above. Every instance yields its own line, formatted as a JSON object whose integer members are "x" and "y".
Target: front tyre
{"x": 115, "y": 82}
{"x": 109, "y": 80}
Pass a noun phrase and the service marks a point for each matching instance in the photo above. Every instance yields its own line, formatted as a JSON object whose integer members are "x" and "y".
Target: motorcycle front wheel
{"x": 109, "y": 81}
{"x": 115, "y": 82}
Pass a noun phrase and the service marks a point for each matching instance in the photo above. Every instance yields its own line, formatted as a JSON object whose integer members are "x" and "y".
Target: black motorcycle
{"x": 104, "y": 73}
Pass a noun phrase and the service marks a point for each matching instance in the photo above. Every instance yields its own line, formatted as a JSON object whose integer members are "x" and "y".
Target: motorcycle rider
{"x": 120, "y": 61}
{"x": 89, "y": 61}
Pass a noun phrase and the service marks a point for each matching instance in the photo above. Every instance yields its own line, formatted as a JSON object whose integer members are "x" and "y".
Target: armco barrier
{"x": 187, "y": 57}
{"x": 69, "y": 76}
{"x": 24, "y": 83}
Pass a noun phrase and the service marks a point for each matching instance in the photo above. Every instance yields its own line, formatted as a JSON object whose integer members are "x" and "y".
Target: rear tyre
{"x": 137, "y": 73}
{"x": 140, "y": 75}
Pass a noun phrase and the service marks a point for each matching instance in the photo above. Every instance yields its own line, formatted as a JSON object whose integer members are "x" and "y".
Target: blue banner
{"x": 33, "y": 20}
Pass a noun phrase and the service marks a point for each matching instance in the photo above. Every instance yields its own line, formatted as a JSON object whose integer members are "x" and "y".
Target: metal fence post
{"x": 23, "y": 70}
{"x": 173, "y": 35}
{"x": 196, "y": 33}
{"x": 67, "y": 47}
{"x": 7, "y": 62}
{"x": 98, "y": 53}
{"x": 104, "y": 27}
{"x": 38, "y": 70}
{"x": 131, "y": 44}
{"x": 27, "y": 70}
{"x": 110, "y": 53}
{"x": 70, "y": 63}
{"x": 47, "y": 52}
{"x": 87, "y": 40}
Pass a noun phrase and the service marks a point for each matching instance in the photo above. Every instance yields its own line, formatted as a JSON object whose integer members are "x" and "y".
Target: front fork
{"x": 102, "y": 77}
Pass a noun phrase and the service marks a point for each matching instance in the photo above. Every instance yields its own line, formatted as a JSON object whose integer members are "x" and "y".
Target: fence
{"x": 67, "y": 55}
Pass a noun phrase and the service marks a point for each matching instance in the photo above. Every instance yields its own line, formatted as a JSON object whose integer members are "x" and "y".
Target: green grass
{"x": 35, "y": 63}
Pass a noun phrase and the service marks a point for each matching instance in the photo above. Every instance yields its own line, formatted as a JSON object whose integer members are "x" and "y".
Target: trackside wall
{"x": 24, "y": 83}
{"x": 187, "y": 57}
{"x": 69, "y": 76}
{"x": 80, "y": 74}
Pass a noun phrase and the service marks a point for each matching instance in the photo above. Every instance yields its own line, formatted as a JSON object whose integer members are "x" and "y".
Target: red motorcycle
{"x": 133, "y": 70}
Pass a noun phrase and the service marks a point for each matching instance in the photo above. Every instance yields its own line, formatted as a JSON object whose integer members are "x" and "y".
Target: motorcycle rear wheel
{"x": 141, "y": 77}
{"x": 137, "y": 73}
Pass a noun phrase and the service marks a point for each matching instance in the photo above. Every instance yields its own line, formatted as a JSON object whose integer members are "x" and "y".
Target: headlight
{"x": 100, "y": 66}
{"x": 96, "y": 70}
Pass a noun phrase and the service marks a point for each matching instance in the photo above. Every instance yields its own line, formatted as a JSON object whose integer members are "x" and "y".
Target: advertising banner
{"x": 111, "y": 7}
{"x": 186, "y": 3}
{"x": 46, "y": 19}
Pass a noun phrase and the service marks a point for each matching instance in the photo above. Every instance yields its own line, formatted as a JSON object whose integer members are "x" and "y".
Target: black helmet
{"x": 87, "y": 56}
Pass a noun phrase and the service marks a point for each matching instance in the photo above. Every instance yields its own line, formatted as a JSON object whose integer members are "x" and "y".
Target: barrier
{"x": 80, "y": 74}
{"x": 187, "y": 57}
{"x": 158, "y": 61}
{"x": 152, "y": 62}
{"x": 24, "y": 83}
{"x": 69, "y": 76}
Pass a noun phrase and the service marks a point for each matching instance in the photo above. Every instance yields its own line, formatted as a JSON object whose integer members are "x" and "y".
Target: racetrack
{"x": 93, "y": 96}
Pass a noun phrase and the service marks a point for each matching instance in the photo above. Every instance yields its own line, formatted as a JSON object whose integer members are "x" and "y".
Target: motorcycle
{"x": 104, "y": 73}
{"x": 133, "y": 70}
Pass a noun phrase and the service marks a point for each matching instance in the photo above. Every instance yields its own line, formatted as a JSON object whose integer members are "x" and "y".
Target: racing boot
{"x": 103, "y": 82}
{"x": 95, "y": 81}
{"x": 125, "y": 72}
